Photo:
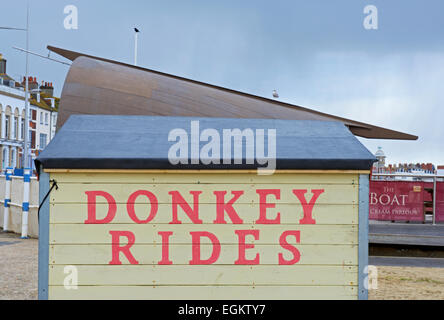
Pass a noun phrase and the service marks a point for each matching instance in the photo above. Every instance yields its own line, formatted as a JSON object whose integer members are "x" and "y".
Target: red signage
{"x": 397, "y": 201}
{"x": 440, "y": 202}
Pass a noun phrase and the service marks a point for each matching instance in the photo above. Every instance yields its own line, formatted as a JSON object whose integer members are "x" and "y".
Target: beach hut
{"x": 146, "y": 207}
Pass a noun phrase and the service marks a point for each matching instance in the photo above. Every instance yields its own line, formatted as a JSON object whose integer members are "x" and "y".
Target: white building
{"x": 42, "y": 118}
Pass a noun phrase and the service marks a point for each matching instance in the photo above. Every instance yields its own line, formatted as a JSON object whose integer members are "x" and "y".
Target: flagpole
{"x": 135, "y": 47}
{"x": 26, "y": 163}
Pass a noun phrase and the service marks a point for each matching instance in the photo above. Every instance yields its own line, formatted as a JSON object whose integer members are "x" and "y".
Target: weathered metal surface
{"x": 99, "y": 86}
{"x": 407, "y": 234}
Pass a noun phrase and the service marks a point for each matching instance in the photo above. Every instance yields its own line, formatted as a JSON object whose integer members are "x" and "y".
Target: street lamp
{"x": 26, "y": 137}
{"x": 136, "y": 38}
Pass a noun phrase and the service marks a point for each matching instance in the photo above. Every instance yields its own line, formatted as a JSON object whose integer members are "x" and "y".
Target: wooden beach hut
{"x": 146, "y": 207}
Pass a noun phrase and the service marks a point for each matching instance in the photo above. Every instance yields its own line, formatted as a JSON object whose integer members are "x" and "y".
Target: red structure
{"x": 440, "y": 202}
{"x": 405, "y": 201}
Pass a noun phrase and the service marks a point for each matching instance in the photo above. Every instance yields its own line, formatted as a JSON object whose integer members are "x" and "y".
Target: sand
{"x": 404, "y": 283}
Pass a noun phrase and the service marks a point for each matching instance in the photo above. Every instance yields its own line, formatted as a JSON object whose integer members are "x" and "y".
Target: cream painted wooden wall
{"x": 328, "y": 268}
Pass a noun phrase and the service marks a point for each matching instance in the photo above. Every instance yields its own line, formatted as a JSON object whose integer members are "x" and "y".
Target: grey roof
{"x": 141, "y": 142}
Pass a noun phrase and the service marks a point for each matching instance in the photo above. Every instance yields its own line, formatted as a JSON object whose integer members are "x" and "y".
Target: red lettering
{"x": 178, "y": 200}
{"x": 116, "y": 248}
{"x": 132, "y": 200}
{"x": 165, "y": 248}
{"x": 222, "y": 207}
{"x": 284, "y": 244}
{"x": 263, "y": 206}
{"x": 308, "y": 207}
{"x": 92, "y": 201}
{"x": 242, "y": 260}
{"x": 195, "y": 236}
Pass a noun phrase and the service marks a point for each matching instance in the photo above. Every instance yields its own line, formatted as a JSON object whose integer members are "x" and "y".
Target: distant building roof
{"x": 44, "y": 102}
{"x": 380, "y": 153}
{"x": 5, "y": 77}
{"x": 141, "y": 142}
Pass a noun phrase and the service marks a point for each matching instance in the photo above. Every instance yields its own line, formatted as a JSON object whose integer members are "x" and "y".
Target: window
{"x": 42, "y": 141}
{"x": 32, "y": 139}
{"x": 5, "y": 157}
{"x": 41, "y": 117}
{"x": 7, "y": 127}
{"x": 22, "y": 131}
{"x": 13, "y": 158}
{"x": 14, "y": 128}
{"x": 46, "y": 119}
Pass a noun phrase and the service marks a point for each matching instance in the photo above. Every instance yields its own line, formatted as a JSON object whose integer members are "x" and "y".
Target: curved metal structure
{"x": 99, "y": 86}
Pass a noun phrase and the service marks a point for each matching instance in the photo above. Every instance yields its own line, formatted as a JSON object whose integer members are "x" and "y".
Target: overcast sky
{"x": 315, "y": 53}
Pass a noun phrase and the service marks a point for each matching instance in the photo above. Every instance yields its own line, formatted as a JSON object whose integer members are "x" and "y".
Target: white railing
{"x": 12, "y": 90}
{"x": 16, "y": 189}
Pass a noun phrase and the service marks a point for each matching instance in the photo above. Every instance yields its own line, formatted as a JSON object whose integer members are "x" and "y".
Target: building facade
{"x": 403, "y": 171}
{"x": 43, "y": 110}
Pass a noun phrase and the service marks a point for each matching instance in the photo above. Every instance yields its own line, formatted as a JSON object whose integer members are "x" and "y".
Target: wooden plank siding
{"x": 328, "y": 266}
{"x": 206, "y": 293}
{"x": 66, "y": 213}
{"x": 75, "y": 193}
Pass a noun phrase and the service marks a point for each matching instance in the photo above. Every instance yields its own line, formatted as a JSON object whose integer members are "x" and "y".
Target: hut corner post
{"x": 43, "y": 236}
{"x": 363, "y": 236}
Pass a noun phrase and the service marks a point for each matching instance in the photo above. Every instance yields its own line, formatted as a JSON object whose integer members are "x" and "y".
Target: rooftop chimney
{"x": 32, "y": 83}
{"x": 47, "y": 89}
{"x": 2, "y": 64}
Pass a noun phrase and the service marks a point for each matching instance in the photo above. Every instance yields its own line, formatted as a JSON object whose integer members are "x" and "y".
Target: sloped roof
{"x": 141, "y": 142}
{"x": 96, "y": 85}
{"x": 5, "y": 77}
{"x": 42, "y": 104}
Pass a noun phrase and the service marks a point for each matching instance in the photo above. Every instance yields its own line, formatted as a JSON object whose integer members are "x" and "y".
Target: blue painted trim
{"x": 25, "y": 206}
{"x": 364, "y": 192}
{"x": 8, "y": 173}
{"x": 18, "y": 172}
{"x": 27, "y": 173}
{"x": 43, "y": 236}
{"x": 7, "y": 202}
